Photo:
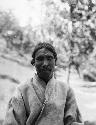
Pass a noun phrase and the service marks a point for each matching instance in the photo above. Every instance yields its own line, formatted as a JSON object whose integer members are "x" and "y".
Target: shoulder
{"x": 66, "y": 87}
{"x": 23, "y": 88}
{"x": 62, "y": 84}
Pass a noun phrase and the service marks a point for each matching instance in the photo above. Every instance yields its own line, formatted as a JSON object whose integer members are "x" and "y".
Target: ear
{"x": 33, "y": 62}
{"x": 55, "y": 62}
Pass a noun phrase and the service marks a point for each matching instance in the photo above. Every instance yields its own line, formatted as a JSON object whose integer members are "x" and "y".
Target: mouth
{"x": 45, "y": 70}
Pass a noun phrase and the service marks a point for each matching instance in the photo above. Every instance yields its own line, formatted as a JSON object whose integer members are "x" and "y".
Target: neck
{"x": 45, "y": 79}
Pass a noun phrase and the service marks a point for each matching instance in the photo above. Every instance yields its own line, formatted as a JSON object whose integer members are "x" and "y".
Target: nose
{"x": 45, "y": 63}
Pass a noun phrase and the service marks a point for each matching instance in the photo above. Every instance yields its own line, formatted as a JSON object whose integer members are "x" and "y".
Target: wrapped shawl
{"x": 38, "y": 104}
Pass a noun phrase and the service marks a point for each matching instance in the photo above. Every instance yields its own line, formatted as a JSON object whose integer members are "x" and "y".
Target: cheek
{"x": 52, "y": 65}
{"x": 38, "y": 65}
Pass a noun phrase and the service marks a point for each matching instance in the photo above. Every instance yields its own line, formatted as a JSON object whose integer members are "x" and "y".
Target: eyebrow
{"x": 47, "y": 55}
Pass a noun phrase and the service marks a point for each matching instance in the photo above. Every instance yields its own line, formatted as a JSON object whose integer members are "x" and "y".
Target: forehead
{"x": 43, "y": 52}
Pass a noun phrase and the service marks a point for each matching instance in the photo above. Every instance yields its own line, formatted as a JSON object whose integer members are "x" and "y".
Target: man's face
{"x": 44, "y": 63}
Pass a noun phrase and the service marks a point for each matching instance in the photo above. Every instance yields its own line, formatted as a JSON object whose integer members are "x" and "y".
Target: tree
{"x": 7, "y": 21}
{"x": 83, "y": 28}
{"x": 79, "y": 43}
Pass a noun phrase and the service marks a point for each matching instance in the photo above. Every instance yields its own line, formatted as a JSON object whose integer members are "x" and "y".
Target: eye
{"x": 50, "y": 58}
{"x": 40, "y": 58}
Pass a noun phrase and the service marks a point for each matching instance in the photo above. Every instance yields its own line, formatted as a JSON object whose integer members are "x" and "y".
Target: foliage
{"x": 18, "y": 40}
{"x": 72, "y": 30}
{"x": 7, "y": 21}
{"x": 69, "y": 25}
{"x": 83, "y": 17}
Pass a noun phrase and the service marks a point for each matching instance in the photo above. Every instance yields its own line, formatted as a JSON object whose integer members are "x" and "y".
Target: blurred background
{"x": 70, "y": 26}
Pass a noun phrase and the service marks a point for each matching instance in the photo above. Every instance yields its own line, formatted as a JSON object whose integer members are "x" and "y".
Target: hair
{"x": 43, "y": 45}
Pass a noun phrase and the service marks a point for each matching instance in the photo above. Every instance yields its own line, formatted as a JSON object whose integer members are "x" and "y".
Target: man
{"x": 43, "y": 100}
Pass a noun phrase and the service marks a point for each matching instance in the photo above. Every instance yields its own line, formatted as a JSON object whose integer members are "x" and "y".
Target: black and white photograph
{"x": 47, "y": 62}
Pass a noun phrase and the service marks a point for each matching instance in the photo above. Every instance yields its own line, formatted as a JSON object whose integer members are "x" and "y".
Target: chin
{"x": 45, "y": 75}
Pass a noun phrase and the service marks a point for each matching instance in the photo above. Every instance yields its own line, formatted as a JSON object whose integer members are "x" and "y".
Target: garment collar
{"x": 40, "y": 82}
